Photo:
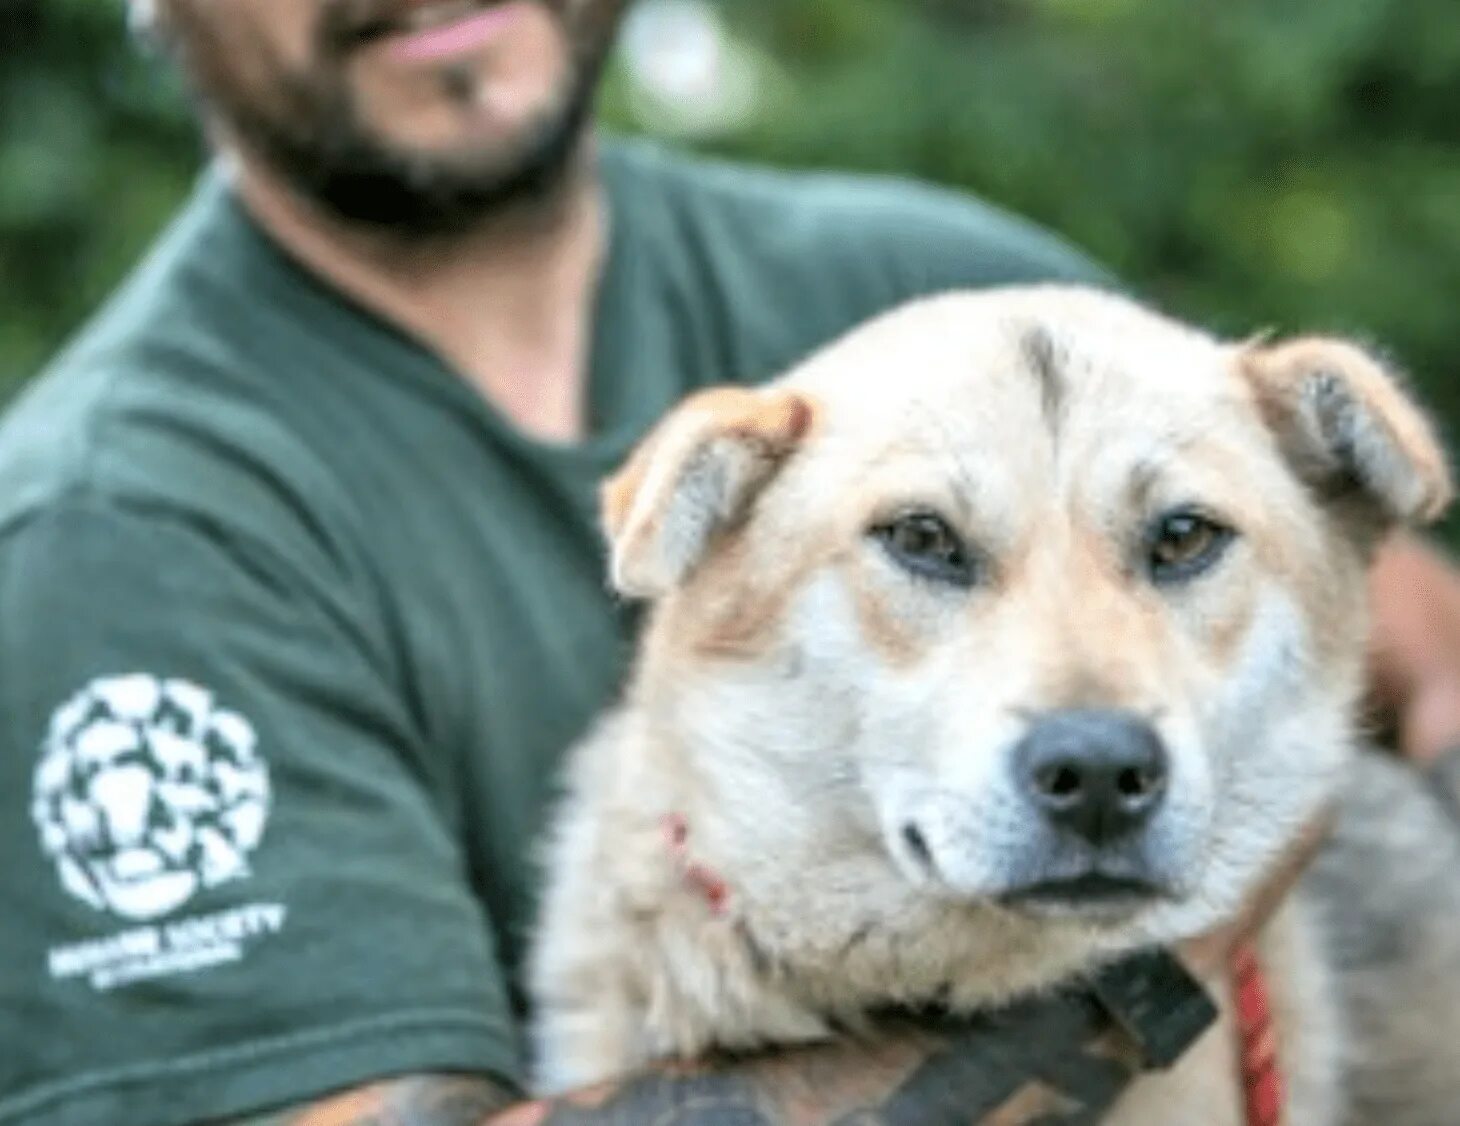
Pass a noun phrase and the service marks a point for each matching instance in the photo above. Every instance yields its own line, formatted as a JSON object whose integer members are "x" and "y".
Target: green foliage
{"x": 1248, "y": 163}
{"x": 95, "y": 149}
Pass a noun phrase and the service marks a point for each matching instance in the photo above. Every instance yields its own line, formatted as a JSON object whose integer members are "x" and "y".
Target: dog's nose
{"x": 1100, "y": 773}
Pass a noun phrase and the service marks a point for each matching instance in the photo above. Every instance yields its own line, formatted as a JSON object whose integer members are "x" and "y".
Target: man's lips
{"x": 435, "y": 28}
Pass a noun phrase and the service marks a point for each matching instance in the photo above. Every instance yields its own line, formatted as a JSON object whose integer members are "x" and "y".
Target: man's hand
{"x": 1415, "y": 647}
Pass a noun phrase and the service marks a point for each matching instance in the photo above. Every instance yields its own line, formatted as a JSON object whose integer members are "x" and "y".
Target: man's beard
{"x": 344, "y": 167}
{"x": 309, "y": 132}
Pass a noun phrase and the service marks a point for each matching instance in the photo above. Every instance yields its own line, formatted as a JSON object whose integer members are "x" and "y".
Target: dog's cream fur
{"x": 800, "y": 699}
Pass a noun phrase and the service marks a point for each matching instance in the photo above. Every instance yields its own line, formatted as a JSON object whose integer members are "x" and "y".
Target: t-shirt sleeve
{"x": 225, "y": 882}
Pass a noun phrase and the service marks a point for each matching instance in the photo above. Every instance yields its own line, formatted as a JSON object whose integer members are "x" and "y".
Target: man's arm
{"x": 412, "y": 1100}
{"x": 1415, "y": 647}
{"x": 1052, "y": 1061}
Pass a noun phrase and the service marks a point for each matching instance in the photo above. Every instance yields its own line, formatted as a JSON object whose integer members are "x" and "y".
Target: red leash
{"x": 1262, "y": 1080}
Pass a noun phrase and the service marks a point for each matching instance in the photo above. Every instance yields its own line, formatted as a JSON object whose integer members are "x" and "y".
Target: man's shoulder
{"x": 917, "y": 237}
{"x": 766, "y": 266}
{"x": 141, "y": 423}
{"x": 161, "y": 401}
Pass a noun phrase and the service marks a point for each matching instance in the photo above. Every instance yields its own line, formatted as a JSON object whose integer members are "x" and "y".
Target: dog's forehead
{"x": 1079, "y": 364}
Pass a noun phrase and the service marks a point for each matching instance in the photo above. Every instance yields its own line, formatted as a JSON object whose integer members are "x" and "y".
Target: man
{"x": 300, "y": 588}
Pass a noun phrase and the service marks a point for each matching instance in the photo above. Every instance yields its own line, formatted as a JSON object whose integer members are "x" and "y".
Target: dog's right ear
{"x": 697, "y": 472}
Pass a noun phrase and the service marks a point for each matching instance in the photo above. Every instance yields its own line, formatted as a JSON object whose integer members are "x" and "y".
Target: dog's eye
{"x": 924, "y": 544}
{"x": 1185, "y": 543}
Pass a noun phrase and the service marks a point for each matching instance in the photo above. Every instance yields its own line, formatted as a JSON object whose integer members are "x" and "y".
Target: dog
{"x": 1015, "y": 631}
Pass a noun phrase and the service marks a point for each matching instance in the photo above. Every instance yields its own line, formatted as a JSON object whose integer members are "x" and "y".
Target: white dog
{"x": 1013, "y": 632}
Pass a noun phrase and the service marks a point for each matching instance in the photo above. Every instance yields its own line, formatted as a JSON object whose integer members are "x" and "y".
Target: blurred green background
{"x": 1248, "y": 163}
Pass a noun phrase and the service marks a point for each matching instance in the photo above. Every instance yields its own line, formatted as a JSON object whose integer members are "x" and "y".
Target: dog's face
{"x": 1055, "y": 604}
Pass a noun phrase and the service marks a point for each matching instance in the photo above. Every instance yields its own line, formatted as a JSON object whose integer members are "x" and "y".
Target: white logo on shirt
{"x": 148, "y": 791}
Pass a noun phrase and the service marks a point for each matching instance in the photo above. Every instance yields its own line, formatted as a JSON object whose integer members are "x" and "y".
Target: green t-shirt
{"x": 295, "y": 628}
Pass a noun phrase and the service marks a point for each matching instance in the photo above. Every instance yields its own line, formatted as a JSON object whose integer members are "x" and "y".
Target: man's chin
{"x": 416, "y": 179}
{"x": 467, "y": 147}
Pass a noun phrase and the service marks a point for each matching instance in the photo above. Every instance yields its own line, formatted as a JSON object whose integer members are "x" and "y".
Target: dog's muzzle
{"x": 1086, "y": 786}
{"x": 1093, "y": 780}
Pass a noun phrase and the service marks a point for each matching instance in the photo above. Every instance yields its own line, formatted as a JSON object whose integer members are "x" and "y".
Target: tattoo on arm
{"x": 416, "y": 1100}
{"x": 1051, "y": 1062}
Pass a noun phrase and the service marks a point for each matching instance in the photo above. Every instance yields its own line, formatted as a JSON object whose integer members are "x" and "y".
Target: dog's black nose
{"x": 1099, "y": 773}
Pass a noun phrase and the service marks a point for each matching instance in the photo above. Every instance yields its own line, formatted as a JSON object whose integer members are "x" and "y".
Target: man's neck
{"x": 508, "y": 307}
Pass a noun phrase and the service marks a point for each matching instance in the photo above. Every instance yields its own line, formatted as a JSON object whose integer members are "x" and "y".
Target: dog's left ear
{"x": 1350, "y": 431}
{"x": 696, "y": 473}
